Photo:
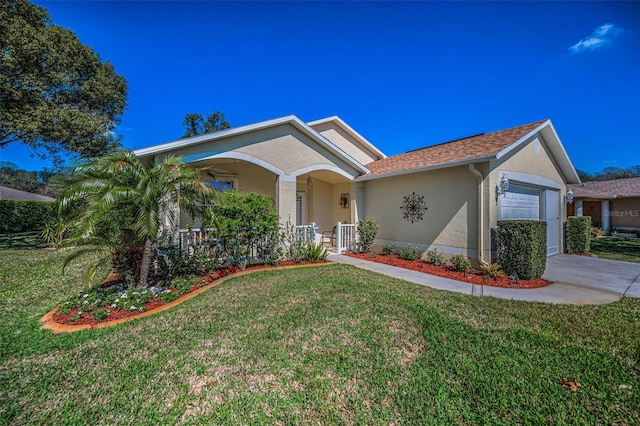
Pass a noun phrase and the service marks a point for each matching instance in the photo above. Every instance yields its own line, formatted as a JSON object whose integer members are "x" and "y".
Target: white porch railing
{"x": 195, "y": 238}
{"x": 345, "y": 237}
{"x": 307, "y": 233}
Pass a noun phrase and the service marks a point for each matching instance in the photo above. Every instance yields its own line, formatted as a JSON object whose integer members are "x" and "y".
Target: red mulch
{"x": 114, "y": 279}
{"x": 447, "y": 271}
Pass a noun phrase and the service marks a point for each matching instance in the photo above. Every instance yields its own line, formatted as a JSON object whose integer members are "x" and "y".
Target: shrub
{"x": 461, "y": 263}
{"x": 493, "y": 270}
{"x": 388, "y": 249}
{"x": 100, "y": 314}
{"x": 25, "y": 216}
{"x": 434, "y": 257}
{"x": 578, "y": 234}
{"x": 367, "y": 232}
{"x": 245, "y": 221}
{"x": 183, "y": 285}
{"x": 522, "y": 247}
{"x": 596, "y": 232}
{"x": 315, "y": 253}
{"x": 294, "y": 247}
{"x": 127, "y": 261}
{"x": 167, "y": 296}
{"x": 409, "y": 253}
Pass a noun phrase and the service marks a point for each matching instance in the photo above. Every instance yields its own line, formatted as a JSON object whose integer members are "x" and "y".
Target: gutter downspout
{"x": 476, "y": 172}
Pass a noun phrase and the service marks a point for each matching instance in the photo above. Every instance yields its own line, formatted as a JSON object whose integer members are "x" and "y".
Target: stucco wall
{"x": 345, "y": 142}
{"x": 338, "y": 213}
{"x": 252, "y": 178}
{"x": 283, "y": 147}
{"x": 320, "y": 213}
{"x": 450, "y": 221}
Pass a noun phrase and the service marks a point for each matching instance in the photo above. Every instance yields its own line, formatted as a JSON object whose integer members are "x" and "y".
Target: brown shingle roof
{"x": 17, "y": 195}
{"x": 468, "y": 149}
{"x": 607, "y": 189}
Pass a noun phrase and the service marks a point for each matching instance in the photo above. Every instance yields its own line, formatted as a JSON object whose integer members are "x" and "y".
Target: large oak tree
{"x": 56, "y": 95}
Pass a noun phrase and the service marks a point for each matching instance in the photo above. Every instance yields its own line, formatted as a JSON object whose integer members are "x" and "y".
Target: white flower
{"x": 85, "y": 295}
{"x": 133, "y": 307}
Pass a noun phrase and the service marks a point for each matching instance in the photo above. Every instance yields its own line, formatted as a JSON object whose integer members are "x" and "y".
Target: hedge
{"x": 522, "y": 247}
{"x": 578, "y": 234}
{"x": 25, "y": 216}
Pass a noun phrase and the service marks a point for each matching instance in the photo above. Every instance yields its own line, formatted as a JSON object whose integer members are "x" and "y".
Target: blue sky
{"x": 404, "y": 75}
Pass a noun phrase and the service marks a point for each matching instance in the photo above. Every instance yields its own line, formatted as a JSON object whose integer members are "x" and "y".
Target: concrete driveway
{"x": 603, "y": 275}
{"x": 577, "y": 280}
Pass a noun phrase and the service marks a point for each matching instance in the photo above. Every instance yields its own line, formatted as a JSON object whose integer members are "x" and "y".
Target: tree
{"x": 56, "y": 94}
{"x": 196, "y": 125}
{"x": 118, "y": 182}
{"x": 584, "y": 176}
{"x": 609, "y": 173}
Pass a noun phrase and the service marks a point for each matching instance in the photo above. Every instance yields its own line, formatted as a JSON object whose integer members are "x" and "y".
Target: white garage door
{"x": 524, "y": 203}
{"x": 520, "y": 203}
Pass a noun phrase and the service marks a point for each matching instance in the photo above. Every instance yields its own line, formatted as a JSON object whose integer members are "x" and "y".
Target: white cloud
{"x": 599, "y": 37}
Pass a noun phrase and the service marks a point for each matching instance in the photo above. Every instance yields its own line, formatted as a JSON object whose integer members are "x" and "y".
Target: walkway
{"x": 577, "y": 280}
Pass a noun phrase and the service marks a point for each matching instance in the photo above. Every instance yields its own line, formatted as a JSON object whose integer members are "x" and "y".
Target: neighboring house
{"x": 18, "y": 195}
{"x": 448, "y": 196}
{"x": 612, "y": 204}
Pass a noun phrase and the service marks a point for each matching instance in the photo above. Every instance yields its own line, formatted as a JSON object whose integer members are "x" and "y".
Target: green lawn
{"x": 616, "y": 248}
{"x": 328, "y": 345}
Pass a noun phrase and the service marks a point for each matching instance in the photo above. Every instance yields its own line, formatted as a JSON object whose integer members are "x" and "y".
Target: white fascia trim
{"x": 569, "y": 172}
{"x": 291, "y": 119}
{"x": 350, "y": 130}
{"x": 532, "y": 179}
{"x": 522, "y": 140}
{"x": 427, "y": 168}
{"x": 181, "y": 143}
{"x": 571, "y": 175}
{"x": 248, "y": 158}
{"x": 328, "y": 167}
{"x": 305, "y": 128}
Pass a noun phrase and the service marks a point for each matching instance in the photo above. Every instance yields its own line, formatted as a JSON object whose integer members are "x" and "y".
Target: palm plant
{"x": 105, "y": 188}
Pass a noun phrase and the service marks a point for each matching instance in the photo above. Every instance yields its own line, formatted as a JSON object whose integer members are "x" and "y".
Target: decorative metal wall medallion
{"x": 413, "y": 207}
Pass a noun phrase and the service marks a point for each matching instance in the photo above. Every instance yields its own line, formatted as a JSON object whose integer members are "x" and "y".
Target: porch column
{"x": 606, "y": 220}
{"x": 169, "y": 226}
{"x": 579, "y": 208}
{"x": 357, "y": 203}
{"x": 286, "y": 198}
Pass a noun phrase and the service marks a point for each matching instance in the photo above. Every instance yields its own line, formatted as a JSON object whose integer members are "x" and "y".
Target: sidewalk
{"x": 557, "y": 292}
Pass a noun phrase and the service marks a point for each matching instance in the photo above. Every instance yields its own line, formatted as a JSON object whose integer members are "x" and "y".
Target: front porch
{"x": 342, "y": 238}
{"x": 317, "y": 195}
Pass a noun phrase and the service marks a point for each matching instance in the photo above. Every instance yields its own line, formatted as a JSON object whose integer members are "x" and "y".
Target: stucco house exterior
{"x": 448, "y": 196}
{"x": 612, "y": 204}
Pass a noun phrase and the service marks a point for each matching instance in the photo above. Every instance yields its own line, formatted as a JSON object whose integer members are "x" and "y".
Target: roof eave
{"x": 289, "y": 119}
{"x": 427, "y": 168}
{"x": 559, "y": 153}
{"x": 351, "y": 131}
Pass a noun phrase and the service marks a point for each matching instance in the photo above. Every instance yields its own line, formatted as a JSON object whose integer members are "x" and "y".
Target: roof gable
{"x": 290, "y": 120}
{"x": 353, "y": 137}
{"x": 474, "y": 149}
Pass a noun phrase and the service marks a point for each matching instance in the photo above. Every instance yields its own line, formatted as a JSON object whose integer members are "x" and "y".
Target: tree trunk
{"x": 145, "y": 264}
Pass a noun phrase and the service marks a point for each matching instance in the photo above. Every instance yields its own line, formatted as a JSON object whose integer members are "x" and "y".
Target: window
{"x": 221, "y": 185}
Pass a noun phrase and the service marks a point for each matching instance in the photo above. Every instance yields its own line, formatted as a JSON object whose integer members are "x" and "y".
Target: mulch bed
{"x": 447, "y": 271}
{"x": 116, "y": 314}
